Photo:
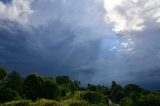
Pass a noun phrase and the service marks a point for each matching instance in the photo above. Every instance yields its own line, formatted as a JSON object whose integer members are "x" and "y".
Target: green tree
{"x": 7, "y": 94}
{"x": 132, "y": 88}
{"x": 33, "y": 86}
{"x": 92, "y": 97}
{"x": 127, "y": 102}
{"x": 63, "y": 80}
{"x": 117, "y": 92}
{"x": 3, "y": 73}
{"x": 148, "y": 100}
{"x": 92, "y": 87}
{"x": 14, "y": 81}
{"x": 50, "y": 90}
{"x": 74, "y": 86}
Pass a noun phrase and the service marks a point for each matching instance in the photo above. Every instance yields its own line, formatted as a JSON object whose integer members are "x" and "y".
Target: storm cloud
{"x": 94, "y": 41}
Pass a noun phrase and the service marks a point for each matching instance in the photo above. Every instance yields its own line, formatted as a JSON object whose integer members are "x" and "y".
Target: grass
{"x": 45, "y": 102}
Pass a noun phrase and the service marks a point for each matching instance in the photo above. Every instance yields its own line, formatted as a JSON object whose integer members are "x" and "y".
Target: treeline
{"x": 14, "y": 87}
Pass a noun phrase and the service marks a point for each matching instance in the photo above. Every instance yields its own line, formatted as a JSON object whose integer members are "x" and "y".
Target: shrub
{"x": 79, "y": 103}
{"x": 44, "y": 102}
{"x": 8, "y": 94}
{"x": 92, "y": 97}
{"x": 127, "y": 102}
{"x": 18, "y": 103}
{"x": 71, "y": 102}
{"x": 32, "y": 86}
{"x": 3, "y": 73}
{"x": 149, "y": 100}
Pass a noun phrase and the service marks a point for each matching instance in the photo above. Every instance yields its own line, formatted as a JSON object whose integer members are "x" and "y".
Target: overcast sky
{"x": 94, "y": 41}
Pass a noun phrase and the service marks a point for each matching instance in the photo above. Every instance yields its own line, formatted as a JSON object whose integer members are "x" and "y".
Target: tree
{"x": 14, "y": 81}
{"x": 132, "y": 88}
{"x": 63, "y": 80}
{"x": 117, "y": 92}
{"x": 92, "y": 97}
{"x": 149, "y": 100}
{"x": 3, "y": 73}
{"x": 92, "y": 87}
{"x": 8, "y": 94}
{"x": 127, "y": 102}
{"x": 32, "y": 86}
{"x": 74, "y": 86}
{"x": 50, "y": 90}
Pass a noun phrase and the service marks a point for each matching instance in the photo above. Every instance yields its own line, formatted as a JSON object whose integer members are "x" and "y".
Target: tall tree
{"x": 33, "y": 86}
{"x": 3, "y": 73}
{"x": 117, "y": 92}
{"x": 63, "y": 80}
{"x": 50, "y": 89}
{"x": 14, "y": 81}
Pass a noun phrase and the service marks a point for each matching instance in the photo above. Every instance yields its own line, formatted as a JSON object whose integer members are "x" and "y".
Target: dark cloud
{"x": 72, "y": 38}
{"x": 6, "y": 1}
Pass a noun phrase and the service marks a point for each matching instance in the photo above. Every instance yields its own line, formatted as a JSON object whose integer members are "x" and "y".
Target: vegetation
{"x": 36, "y": 90}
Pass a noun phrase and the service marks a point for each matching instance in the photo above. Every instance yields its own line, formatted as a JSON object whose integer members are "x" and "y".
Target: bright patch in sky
{"x": 16, "y": 10}
{"x": 131, "y": 15}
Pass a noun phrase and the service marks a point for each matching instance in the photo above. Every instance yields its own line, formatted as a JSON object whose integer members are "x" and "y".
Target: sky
{"x": 94, "y": 41}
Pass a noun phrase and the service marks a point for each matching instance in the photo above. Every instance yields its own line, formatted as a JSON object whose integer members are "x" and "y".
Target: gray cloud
{"x": 72, "y": 37}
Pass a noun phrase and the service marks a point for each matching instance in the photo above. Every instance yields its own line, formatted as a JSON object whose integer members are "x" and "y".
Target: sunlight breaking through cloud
{"x": 15, "y": 10}
{"x": 131, "y": 15}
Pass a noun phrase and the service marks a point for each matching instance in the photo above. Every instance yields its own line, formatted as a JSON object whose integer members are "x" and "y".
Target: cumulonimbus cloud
{"x": 16, "y": 10}
{"x": 131, "y": 15}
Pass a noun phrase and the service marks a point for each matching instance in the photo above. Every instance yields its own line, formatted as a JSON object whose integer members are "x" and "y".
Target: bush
{"x": 3, "y": 73}
{"x": 127, "y": 102}
{"x": 44, "y": 102}
{"x": 92, "y": 97}
{"x": 71, "y": 102}
{"x": 18, "y": 103}
{"x": 32, "y": 86}
{"x": 79, "y": 103}
{"x": 50, "y": 90}
{"x": 149, "y": 100}
{"x": 8, "y": 94}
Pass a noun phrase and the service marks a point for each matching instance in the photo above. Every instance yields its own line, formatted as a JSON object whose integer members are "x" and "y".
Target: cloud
{"x": 83, "y": 39}
{"x": 131, "y": 15}
{"x": 15, "y": 10}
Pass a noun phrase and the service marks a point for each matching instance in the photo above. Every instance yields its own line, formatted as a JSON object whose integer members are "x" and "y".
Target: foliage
{"x": 117, "y": 92}
{"x": 7, "y": 94}
{"x": 127, "y": 102}
{"x": 36, "y": 87}
{"x": 149, "y": 100}
{"x": 92, "y": 87}
{"x": 78, "y": 103}
{"x": 73, "y": 102}
{"x": 132, "y": 88}
{"x": 63, "y": 92}
{"x": 32, "y": 86}
{"x": 45, "y": 102}
{"x": 18, "y": 103}
{"x": 63, "y": 80}
{"x": 92, "y": 97}
{"x": 14, "y": 81}
{"x": 50, "y": 90}
{"x": 3, "y": 73}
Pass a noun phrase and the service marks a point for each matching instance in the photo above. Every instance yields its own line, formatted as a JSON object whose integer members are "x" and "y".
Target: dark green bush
{"x": 92, "y": 97}
{"x": 127, "y": 102}
{"x": 149, "y": 100}
{"x": 7, "y": 94}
